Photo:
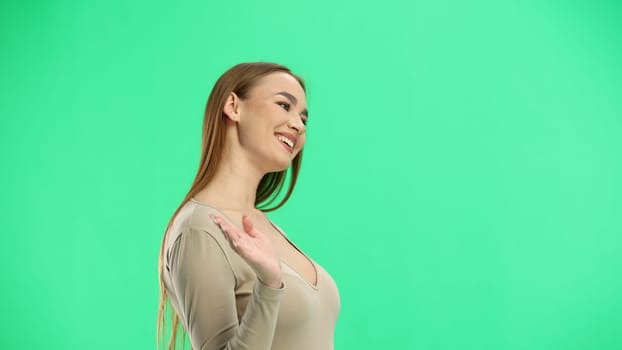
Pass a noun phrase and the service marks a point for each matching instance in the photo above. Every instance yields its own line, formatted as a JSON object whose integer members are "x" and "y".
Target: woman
{"x": 232, "y": 276}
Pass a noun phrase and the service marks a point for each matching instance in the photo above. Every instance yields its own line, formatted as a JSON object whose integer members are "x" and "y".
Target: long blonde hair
{"x": 239, "y": 79}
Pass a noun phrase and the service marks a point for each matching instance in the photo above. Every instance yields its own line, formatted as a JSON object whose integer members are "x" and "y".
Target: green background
{"x": 462, "y": 178}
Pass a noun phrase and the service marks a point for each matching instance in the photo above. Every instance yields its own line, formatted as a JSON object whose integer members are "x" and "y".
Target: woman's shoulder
{"x": 194, "y": 231}
{"x": 194, "y": 219}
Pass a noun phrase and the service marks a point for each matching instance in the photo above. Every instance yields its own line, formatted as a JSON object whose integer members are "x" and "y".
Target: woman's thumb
{"x": 248, "y": 225}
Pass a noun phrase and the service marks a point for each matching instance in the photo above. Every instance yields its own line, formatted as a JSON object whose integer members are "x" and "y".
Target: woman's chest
{"x": 291, "y": 256}
{"x": 303, "y": 307}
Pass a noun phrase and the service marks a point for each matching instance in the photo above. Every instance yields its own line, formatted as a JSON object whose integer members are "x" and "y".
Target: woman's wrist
{"x": 276, "y": 283}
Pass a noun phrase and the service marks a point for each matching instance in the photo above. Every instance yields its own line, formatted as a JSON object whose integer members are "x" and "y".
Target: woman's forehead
{"x": 278, "y": 82}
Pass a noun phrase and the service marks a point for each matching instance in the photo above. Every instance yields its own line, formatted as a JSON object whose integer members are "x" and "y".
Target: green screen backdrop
{"x": 462, "y": 179}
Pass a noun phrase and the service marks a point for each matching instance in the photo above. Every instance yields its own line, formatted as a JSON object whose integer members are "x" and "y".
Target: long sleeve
{"x": 204, "y": 285}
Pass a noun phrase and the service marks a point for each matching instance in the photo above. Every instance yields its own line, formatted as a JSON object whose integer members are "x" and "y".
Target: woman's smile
{"x": 287, "y": 140}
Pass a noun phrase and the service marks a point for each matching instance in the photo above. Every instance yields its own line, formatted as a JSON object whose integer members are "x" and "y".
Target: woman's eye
{"x": 285, "y": 105}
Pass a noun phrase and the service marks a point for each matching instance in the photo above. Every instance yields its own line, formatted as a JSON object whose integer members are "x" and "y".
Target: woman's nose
{"x": 298, "y": 125}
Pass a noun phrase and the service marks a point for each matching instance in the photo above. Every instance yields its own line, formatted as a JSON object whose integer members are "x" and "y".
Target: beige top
{"x": 222, "y": 304}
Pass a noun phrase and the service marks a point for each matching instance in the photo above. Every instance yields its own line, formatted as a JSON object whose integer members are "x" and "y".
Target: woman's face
{"x": 271, "y": 125}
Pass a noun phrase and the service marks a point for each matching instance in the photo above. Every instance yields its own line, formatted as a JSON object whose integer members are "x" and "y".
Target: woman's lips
{"x": 287, "y": 140}
{"x": 287, "y": 148}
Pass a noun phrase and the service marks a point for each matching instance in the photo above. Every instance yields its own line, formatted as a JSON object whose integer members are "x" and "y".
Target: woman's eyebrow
{"x": 293, "y": 100}
{"x": 289, "y": 96}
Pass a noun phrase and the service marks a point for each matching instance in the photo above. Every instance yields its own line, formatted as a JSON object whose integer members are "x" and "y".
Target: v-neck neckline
{"x": 278, "y": 229}
{"x": 317, "y": 275}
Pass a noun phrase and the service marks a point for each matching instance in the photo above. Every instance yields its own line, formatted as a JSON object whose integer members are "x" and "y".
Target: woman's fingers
{"x": 231, "y": 232}
{"x": 254, "y": 247}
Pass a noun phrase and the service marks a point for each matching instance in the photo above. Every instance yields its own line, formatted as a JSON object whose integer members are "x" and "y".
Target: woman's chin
{"x": 280, "y": 166}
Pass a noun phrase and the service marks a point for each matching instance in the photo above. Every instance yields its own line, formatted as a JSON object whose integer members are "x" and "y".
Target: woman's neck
{"x": 233, "y": 187}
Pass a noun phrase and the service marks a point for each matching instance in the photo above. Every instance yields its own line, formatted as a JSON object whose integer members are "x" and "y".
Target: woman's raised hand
{"x": 254, "y": 247}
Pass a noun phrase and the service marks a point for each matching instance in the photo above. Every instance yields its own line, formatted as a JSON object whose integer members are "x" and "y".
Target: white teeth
{"x": 286, "y": 140}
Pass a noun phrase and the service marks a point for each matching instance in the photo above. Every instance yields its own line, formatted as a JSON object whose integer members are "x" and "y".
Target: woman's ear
{"x": 232, "y": 107}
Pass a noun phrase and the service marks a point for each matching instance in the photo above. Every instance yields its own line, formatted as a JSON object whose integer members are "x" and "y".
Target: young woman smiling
{"x": 233, "y": 278}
